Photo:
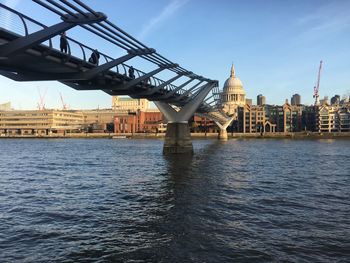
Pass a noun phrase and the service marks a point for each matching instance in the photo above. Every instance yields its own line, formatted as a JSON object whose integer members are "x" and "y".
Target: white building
{"x": 126, "y": 103}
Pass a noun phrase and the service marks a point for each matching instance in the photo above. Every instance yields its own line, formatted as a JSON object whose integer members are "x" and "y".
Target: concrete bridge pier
{"x": 223, "y": 136}
{"x": 178, "y": 136}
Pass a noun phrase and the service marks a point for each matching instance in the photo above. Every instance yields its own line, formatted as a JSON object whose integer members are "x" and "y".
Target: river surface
{"x": 104, "y": 200}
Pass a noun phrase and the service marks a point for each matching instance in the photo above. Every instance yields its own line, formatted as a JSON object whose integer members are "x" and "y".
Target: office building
{"x": 295, "y": 100}
{"x": 40, "y": 122}
{"x": 260, "y": 100}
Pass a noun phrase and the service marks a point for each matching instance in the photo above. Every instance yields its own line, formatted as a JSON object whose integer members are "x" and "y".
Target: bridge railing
{"x": 79, "y": 50}
{"x": 75, "y": 48}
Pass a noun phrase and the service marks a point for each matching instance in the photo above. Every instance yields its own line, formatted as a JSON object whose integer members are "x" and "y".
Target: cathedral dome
{"x": 233, "y": 84}
{"x": 233, "y": 94}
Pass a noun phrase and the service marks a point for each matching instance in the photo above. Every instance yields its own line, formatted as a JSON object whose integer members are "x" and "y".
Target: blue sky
{"x": 275, "y": 46}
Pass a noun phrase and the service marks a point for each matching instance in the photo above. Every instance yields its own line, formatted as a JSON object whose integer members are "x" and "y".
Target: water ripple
{"x": 123, "y": 201}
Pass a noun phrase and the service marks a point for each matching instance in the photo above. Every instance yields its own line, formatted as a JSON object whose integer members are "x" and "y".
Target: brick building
{"x": 139, "y": 121}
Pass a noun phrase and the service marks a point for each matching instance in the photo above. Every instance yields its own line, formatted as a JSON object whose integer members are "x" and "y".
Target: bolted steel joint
{"x": 88, "y": 18}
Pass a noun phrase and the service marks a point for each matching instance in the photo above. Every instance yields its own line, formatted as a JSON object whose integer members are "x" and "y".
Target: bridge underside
{"x": 27, "y": 58}
{"x": 42, "y": 63}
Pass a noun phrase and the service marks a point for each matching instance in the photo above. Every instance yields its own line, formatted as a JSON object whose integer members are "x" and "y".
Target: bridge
{"x": 31, "y": 55}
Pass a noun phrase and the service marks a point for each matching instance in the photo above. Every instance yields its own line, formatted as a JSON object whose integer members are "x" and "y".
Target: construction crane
{"x": 65, "y": 106}
{"x": 316, "y": 88}
{"x": 41, "y": 103}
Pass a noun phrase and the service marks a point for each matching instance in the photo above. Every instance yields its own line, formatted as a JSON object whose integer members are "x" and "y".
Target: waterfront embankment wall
{"x": 296, "y": 135}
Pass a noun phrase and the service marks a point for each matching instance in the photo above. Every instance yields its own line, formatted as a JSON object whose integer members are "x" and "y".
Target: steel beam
{"x": 23, "y": 43}
{"x": 145, "y": 77}
{"x": 159, "y": 87}
{"x": 189, "y": 90}
{"x": 86, "y": 75}
{"x": 171, "y": 93}
{"x": 106, "y": 66}
{"x": 185, "y": 113}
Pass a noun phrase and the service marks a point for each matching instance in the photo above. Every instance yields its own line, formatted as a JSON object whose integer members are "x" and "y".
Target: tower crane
{"x": 64, "y": 105}
{"x": 41, "y": 103}
{"x": 316, "y": 88}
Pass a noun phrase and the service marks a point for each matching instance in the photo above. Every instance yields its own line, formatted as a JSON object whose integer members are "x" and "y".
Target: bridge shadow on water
{"x": 196, "y": 223}
{"x": 185, "y": 218}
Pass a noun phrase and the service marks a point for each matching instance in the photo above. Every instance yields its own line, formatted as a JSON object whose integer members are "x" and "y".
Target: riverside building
{"x": 39, "y": 122}
{"x": 270, "y": 118}
{"x": 333, "y": 118}
{"x": 129, "y": 104}
{"x": 100, "y": 120}
{"x": 140, "y": 121}
{"x": 252, "y": 119}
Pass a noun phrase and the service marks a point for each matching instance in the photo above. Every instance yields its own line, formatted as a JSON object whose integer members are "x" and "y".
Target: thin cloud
{"x": 327, "y": 19}
{"x": 167, "y": 12}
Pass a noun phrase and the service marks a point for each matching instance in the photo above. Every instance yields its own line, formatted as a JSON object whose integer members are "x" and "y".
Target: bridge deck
{"x": 32, "y": 61}
{"x": 44, "y": 63}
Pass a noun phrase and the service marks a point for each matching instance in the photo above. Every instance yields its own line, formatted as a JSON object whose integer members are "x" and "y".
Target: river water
{"x": 86, "y": 200}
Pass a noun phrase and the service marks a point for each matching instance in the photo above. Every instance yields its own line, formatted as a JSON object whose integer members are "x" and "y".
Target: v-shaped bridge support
{"x": 223, "y": 129}
{"x": 178, "y": 136}
{"x": 221, "y": 121}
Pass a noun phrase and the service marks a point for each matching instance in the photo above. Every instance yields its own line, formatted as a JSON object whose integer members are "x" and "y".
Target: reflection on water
{"x": 123, "y": 201}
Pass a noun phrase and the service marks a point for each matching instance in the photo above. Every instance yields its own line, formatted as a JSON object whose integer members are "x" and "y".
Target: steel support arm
{"x": 224, "y": 125}
{"x": 23, "y": 43}
{"x": 134, "y": 82}
{"x": 89, "y": 74}
{"x": 171, "y": 93}
{"x": 185, "y": 113}
{"x": 159, "y": 87}
{"x": 189, "y": 90}
{"x": 190, "y": 108}
{"x": 106, "y": 66}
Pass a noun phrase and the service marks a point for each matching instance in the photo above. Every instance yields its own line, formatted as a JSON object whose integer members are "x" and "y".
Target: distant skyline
{"x": 276, "y": 46}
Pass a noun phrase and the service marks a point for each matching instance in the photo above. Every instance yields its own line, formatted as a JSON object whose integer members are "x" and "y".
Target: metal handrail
{"x": 109, "y": 32}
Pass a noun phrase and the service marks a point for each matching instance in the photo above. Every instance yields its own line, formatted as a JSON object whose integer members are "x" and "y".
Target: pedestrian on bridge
{"x": 95, "y": 56}
{"x": 131, "y": 72}
{"x": 63, "y": 42}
